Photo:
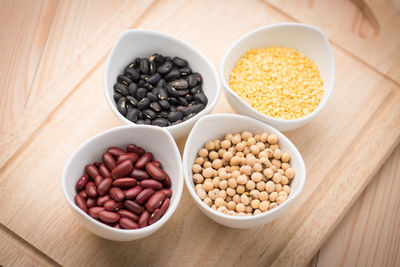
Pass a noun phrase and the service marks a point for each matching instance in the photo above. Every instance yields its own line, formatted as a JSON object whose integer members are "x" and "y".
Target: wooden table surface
{"x": 38, "y": 39}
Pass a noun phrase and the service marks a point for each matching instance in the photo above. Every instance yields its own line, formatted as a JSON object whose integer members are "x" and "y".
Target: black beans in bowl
{"x": 158, "y": 90}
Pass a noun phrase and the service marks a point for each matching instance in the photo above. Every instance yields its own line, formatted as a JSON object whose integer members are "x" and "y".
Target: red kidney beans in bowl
{"x": 127, "y": 190}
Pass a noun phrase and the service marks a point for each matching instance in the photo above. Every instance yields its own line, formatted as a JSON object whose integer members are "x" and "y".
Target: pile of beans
{"x": 128, "y": 190}
{"x": 243, "y": 174}
{"x": 280, "y": 82}
{"x": 159, "y": 91}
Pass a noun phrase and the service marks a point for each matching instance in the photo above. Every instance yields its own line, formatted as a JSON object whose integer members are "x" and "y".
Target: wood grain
{"x": 334, "y": 128}
{"x": 369, "y": 234}
{"x": 349, "y": 23}
{"x": 23, "y": 31}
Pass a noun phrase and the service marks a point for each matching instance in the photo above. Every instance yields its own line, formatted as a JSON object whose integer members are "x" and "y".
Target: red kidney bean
{"x": 117, "y": 225}
{"x": 104, "y": 170}
{"x": 142, "y": 161}
{"x": 164, "y": 206}
{"x": 125, "y": 182}
{"x": 156, "y": 163}
{"x": 81, "y": 183}
{"x": 167, "y": 181}
{"x": 112, "y": 205}
{"x": 116, "y": 151}
{"x": 91, "y": 190}
{"x": 132, "y": 192}
{"x": 144, "y": 195}
{"x": 128, "y": 214}
{"x": 105, "y": 186}
{"x": 155, "y": 172}
{"x": 133, "y": 157}
{"x": 97, "y": 164}
{"x": 144, "y": 219}
{"x": 108, "y": 216}
{"x": 109, "y": 161}
{"x": 135, "y": 149}
{"x": 98, "y": 180}
{"x": 133, "y": 206}
{"x": 122, "y": 169}
{"x": 91, "y": 202}
{"x": 127, "y": 223}
{"x": 150, "y": 183}
{"x": 102, "y": 200}
{"x": 155, "y": 216}
{"x": 80, "y": 202}
{"x": 94, "y": 211}
{"x": 139, "y": 174}
{"x": 92, "y": 171}
{"x": 167, "y": 192}
{"x": 117, "y": 194}
{"x": 155, "y": 201}
{"x": 83, "y": 194}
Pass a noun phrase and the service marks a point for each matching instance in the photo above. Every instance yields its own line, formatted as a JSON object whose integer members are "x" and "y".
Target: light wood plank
{"x": 365, "y": 28}
{"x": 369, "y": 234}
{"x": 24, "y": 26}
{"x": 336, "y": 126}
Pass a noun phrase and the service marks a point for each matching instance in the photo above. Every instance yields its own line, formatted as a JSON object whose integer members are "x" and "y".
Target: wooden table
{"x": 53, "y": 53}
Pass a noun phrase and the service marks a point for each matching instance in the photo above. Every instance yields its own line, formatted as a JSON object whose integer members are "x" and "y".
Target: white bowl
{"x": 144, "y": 43}
{"x": 153, "y": 139}
{"x": 307, "y": 39}
{"x": 204, "y": 130}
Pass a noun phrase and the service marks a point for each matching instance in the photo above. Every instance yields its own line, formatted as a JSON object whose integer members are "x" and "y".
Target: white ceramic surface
{"x": 206, "y": 129}
{"x": 307, "y": 39}
{"x": 152, "y": 139}
{"x": 144, "y": 43}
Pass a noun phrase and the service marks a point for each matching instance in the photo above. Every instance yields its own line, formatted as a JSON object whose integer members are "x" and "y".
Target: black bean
{"x": 152, "y": 57}
{"x": 179, "y": 62}
{"x": 180, "y": 84}
{"x": 132, "y": 115}
{"x": 185, "y": 71}
{"x": 141, "y": 83}
{"x": 197, "y": 107}
{"x": 188, "y": 97}
{"x": 140, "y": 116}
{"x": 160, "y": 122}
{"x": 151, "y": 96}
{"x": 162, "y": 94}
{"x": 172, "y": 91}
{"x": 182, "y": 92}
{"x": 165, "y": 67}
{"x": 174, "y": 116}
{"x": 172, "y": 74}
{"x": 152, "y": 67}
{"x": 143, "y": 104}
{"x": 117, "y": 96}
{"x": 145, "y": 77}
{"x": 140, "y": 122}
{"x": 124, "y": 79}
{"x": 144, "y": 65}
{"x": 148, "y": 86}
{"x": 137, "y": 61}
{"x": 155, "y": 106}
{"x": 192, "y": 80}
{"x": 185, "y": 110}
{"x": 121, "y": 106}
{"x": 164, "y": 104}
{"x": 196, "y": 90}
{"x": 199, "y": 79}
{"x": 149, "y": 114}
{"x": 183, "y": 101}
{"x": 141, "y": 93}
{"x": 159, "y": 59}
{"x": 133, "y": 74}
{"x": 200, "y": 98}
{"x": 133, "y": 101}
{"x": 173, "y": 101}
{"x": 189, "y": 116}
{"x": 154, "y": 79}
{"x": 132, "y": 89}
{"x": 121, "y": 88}
{"x": 161, "y": 83}
{"x": 163, "y": 114}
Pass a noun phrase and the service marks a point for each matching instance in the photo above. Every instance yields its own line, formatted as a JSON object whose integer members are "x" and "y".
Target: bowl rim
{"x": 329, "y": 90}
{"x": 210, "y": 105}
{"x": 190, "y": 185}
{"x": 173, "y": 205}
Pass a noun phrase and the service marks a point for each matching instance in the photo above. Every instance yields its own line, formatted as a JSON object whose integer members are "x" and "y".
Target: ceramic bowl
{"x": 206, "y": 129}
{"x": 307, "y": 39}
{"x": 153, "y": 139}
{"x": 144, "y": 43}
